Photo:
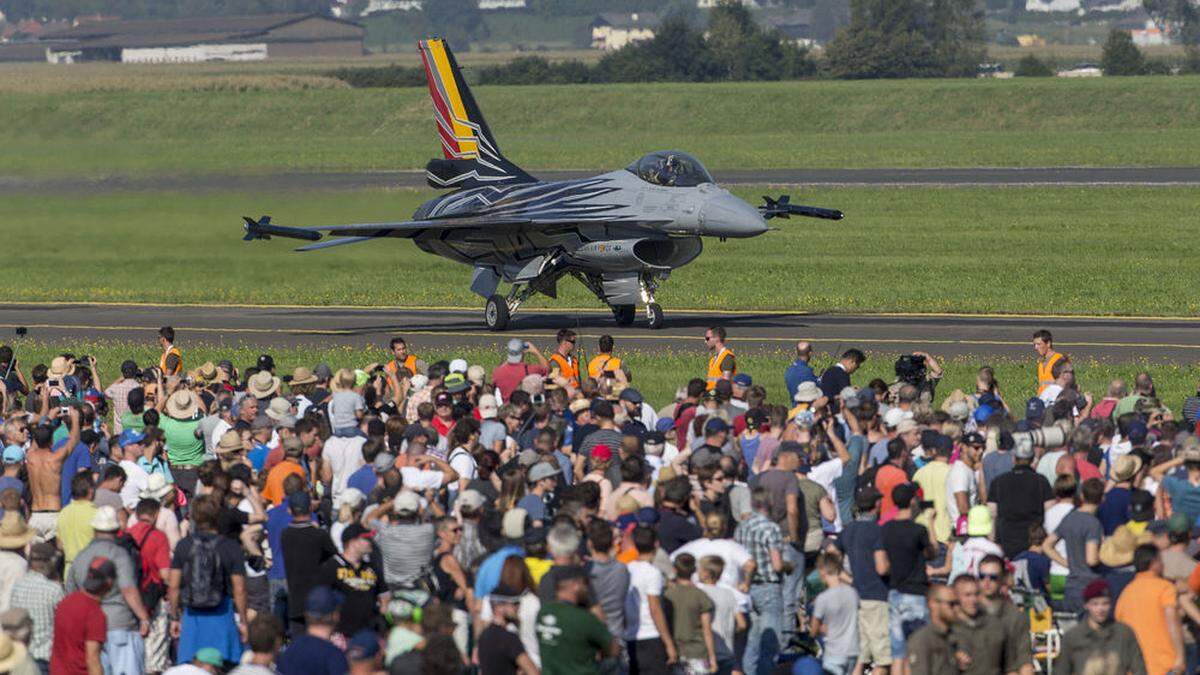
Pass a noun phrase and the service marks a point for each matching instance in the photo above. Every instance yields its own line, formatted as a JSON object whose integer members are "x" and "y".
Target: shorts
{"x": 258, "y": 594}
{"x": 123, "y": 652}
{"x": 1058, "y": 586}
{"x": 907, "y": 613}
{"x": 44, "y": 525}
{"x": 874, "y": 642}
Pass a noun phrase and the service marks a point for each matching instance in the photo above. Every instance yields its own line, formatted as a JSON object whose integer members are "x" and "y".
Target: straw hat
{"x": 279, "y": 408}
{"x": 1127, "y": 466}
{"x": 262, "y": 385}
{"x": 156, "y": 488}
{"x": 231, "y": 441}
{"x": 302, "y": 375}
{"x": 182, "y": 405}
{"x": 12, "y": 653}
{"x": 14, "y": 531}
{"x": 207, "y": 372}
{"x": 1117, "y": 550}
{"x": 61, "y": 366}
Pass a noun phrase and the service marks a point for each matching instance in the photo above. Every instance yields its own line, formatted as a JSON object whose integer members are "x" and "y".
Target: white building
{"x": 613, "y": 31}
{"x": 487, "y": 5}
{"x": 374, "y": 6}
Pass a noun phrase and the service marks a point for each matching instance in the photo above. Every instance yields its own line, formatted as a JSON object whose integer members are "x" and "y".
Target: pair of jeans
{"x": 124, "y": 652}
{"x": 907, "y": 613}
{"x": 793, "y": 587}
{"x": 765, "y": 638}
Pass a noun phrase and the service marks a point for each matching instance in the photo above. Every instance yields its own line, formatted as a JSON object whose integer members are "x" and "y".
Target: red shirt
{"x": 507, "y": 377}
{"x": 682, "y": 421}
{"x": 77, "y": 620}
{"x": 155, "y": 552}
{"x": 886, "y": 479}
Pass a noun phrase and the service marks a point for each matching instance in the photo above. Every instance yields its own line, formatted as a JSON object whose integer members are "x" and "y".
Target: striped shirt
{"x": 759, "y": 535}
{"x": 39, "y": 596}
{"x": 407, "y": 550}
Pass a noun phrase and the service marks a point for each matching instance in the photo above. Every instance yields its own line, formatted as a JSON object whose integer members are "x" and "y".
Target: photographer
{"x": 917, "y": 377}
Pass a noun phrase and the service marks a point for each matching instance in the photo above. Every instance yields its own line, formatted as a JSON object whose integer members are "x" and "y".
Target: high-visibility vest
{"x": 567, "y": 367}
{"x": 162, "y": 362}
{"x": 602, "y": 363}
{"x": 410, "y": 362}
{"x": 714, "y": 367}
{"x": 1044, "y": 374}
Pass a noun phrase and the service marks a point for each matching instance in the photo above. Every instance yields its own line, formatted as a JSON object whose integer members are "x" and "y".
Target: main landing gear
{"x": 499, "y": 309}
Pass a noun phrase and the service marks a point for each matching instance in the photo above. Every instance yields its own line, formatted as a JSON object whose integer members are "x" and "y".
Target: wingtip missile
{"x": 263, "y": 229}
{"x": 783, "y": 208}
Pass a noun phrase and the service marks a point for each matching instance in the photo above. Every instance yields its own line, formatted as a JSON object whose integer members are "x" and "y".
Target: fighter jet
{"x": 620, "y": 233}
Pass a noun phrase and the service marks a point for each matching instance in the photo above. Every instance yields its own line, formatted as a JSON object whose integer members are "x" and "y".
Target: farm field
{"x": 1105, "y": 250}
{"x": 255, "y": 121}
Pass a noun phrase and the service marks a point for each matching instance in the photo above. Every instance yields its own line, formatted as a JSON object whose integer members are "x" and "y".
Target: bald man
{"x": 799, "y": 372}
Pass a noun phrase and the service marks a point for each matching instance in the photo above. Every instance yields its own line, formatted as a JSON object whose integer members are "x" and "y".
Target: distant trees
{"x": 1182, "y": 17}
{"x": 1121, "y": 56}
{"x": 1032, "y": 66}
{"x": 909, "y": 38}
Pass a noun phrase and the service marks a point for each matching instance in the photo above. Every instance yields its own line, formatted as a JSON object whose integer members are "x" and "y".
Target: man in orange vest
{"x": 604, "y": 363}
{"x": 401, "y": 358}
{"x": 171, "y": 362}
{"x": 721, "y": 365}
{"x": 562, "y": 358}
{"x": 1043, "y": 344}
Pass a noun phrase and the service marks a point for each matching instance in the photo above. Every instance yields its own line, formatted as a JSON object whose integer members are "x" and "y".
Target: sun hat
{"x": 1126, "y": 467}
{"x": 231, "y": 441}
{"x": 455, "y": 383}
{"x": 807, "y": 392}
{"x": 61, "y": 366}
{"x": 278, "y": 408}
{"x": 476, "y": 375}
{"x": 209, "y": 656}
{"x": 959, "y": 411}
{"x": 487, "y": 407}
{"x": 406, "y": 502}
{"x": 262, "y": 385}
{"x": 579, "y": 405}
{"x": 156, "y": 488}
{"x": 1117, "y": 549}
{"x": 15, "y": 533}
{"x": 979, "y": 521}
{"x": 302, "y": 375}
{"x": 542, "y": 471}
{"x": 182, "y": 405}
{"x": 105, "y": 520}
{"x": 527, "y": 458}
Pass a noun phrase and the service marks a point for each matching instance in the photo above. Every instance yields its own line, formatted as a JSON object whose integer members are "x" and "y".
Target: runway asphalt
{"x": 304, "y": 181}
{"x": 1116, "y": 339}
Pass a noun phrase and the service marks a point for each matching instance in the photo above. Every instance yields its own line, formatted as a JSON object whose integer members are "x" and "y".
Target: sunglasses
{"x": 948, "y": 603}
{"x": 991, "y": 577}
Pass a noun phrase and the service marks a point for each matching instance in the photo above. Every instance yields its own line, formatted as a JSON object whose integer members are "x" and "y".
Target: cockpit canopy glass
{"x": 671, "y": 168}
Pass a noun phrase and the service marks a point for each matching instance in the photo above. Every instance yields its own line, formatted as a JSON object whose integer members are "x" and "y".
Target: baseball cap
{"x": 129, "y": 437}
{"x": 542, "y": 471}
{"x": 973, "y": 438}
{"x": 664, "y": 424}
{"x": 1141, "y": 506}
{"x": 715, "y": 425}
{"x": 210, "y": 656}
{"x": 1137, "y": 432}
{"x": 487, "y": 407}
{"x": 1022, "y": 450}
{"x": 363, "y": 646}
{"x": 322, "y": 601}
{"x": 383, "y": 462}
{"x": 743, "y": 380}
{"x": 893, "y": 417}
{"x": 322, "y": 371}
{"x": 406, "y": 502}
{"x": 354, "y": 531}
{"x": 1035, "y": 409}
{"x": 632, "y": 395}
{"x": 516, "y": 350}
{"x": 101, "y": 571}
{"x": 14, "y": 454}
{"x": 459, "y": 366}
{"x": 723, "y": 388}
{"x": 601, "y": 453}
{"x": 443, "y": 398}
{"x": 266, "y": 362}
{"x": 866, "y": 498}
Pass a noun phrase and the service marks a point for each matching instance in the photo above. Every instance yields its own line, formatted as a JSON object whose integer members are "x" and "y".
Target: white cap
{"x": 406, "y": 502}
{"x": 893, "y": 417}
{"x": 487, "y": 407}
{"x": 458, "y": 366}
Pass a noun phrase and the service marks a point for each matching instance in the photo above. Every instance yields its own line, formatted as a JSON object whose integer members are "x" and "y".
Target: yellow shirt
{"x": 932, "y": 480}
{"x": 538, "y": 568}
{"x": 75, "y": 527}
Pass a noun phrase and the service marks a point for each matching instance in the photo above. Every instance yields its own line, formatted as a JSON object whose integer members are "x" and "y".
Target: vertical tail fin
{"x": 472, "y": 157}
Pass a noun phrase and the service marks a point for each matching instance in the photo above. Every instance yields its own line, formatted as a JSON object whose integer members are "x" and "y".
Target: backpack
{"x": 203, "y": 583}
{"x": 153, "y": 593}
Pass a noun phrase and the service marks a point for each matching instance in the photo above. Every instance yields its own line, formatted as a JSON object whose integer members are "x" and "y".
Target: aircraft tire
{"x": 624, "y": 314}
{"x": 495, "y": 313}
{"x": 655, "y": 314}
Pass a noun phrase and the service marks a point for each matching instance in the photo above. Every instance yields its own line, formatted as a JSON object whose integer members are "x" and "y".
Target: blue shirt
{"x": 1185, "y": 497}
{"x": 860, "y": 540}
{"x": 77, "y": 461}
{"x": 278, "y": 518}
{"x": 1038, "y": 566}
{"x": 1114, "y": 510}
{"x": 796, "y": 374}
{"x": 309, "y": 655}
{"x": 846, "y": 483}
{"x": 362, "y": 480}
{"x": 258, "y": 456}
{"x": 488, "y": 575}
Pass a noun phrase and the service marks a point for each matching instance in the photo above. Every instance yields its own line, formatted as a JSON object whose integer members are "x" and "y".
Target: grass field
{"x": 235, "y": 126}
{"x": 1064, "y": 250}
{"x": 656, "y": 374}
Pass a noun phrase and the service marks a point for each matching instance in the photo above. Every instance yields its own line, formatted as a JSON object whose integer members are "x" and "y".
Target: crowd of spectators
{"x": 539, "y": 515}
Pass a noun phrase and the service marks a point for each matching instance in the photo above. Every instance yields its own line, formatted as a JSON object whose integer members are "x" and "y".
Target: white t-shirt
{"x": 1050, "y": 521}
{"x": 185, "y": 669}
{"x": 218, "y": 431}
{"x": 463, "y": 462}
{"x": 644, "y": 580}
{"x": 961, "y": 478}
{"x": 724, "y": 622}
{"x": 345, "y": 457}
{"x": 1050, "y": 394}
{"x": 419, "y": 480}
{"x": 136, "y": 479}
{"x": 733, "y": 554}
{"x": 824, "y": 474}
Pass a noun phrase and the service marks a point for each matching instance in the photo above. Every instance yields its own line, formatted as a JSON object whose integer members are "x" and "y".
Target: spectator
{"x": 1021, "y": 497}
{"x": 46, "y": 466}
{"x": 265, "y": 639}
{"x": 651, "y": 647}
{"x": 799, "y": 371}
{"x": 835, "y": 618}
{"x": 75, "y": 520}
{"x": 1099, "y": 638}
{"x": 691, "y": 619}
{"x": 306, "y": 548}
{"x": 931, "y": 649}
{"x": 1149, "y": 606}
{"x": 763, "y": 539}
{"x": 312, "y": 653}
{"x": 15, "y": 536}
{"x": 861, "y": 542}
{"x": 80, "y": 626}
{"x": 909, "y": 547}
{"x": 500, "y": 649}
{"x": 1183, "y": 491}
{"x": 837, "y": 377}
{"x": 39, "y": 592}
{"x": 1081, "y": 532}
{"x": 405, "y": 543}
{"x": 155, "y": 559}
{"x": 570, "y": 638}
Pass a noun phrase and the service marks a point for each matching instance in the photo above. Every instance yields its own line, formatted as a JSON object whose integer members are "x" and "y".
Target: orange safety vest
{"x": 568, "y": 367}
{"x": 714, "y": 367}
{"x": 602, "y": 363}
{"x": 1044, "y": 368}
{"x": 162, "y": 362}
{"x": 410, "y": 362}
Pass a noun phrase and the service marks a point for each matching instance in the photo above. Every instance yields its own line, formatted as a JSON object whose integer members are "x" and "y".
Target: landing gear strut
{"x": 498, "y": 310}
{"x": 654, "y": 311}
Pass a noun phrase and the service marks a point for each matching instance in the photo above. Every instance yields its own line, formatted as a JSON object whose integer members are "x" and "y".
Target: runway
{"x": 306, "y": 181}
{"x": 428, "y": 329}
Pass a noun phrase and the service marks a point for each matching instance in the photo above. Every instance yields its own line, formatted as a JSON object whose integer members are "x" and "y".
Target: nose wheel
{"x": 654, "y": 313}
{"x": 496, "y": 313}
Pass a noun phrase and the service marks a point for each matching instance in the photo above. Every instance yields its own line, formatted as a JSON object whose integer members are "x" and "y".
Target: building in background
{"x": 234, "y": 38}
{"x": 613, "y": 31}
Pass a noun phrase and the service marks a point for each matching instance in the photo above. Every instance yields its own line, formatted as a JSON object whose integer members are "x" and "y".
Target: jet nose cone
{"x": 727, "y": 216}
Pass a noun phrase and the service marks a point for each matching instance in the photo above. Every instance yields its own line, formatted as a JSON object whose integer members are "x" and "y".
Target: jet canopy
{"x": 671, "y": 168}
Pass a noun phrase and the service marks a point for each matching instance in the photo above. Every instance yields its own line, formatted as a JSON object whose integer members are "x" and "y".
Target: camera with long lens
{"x": 1054, "y": 436}
{"x": 910, "y": 369}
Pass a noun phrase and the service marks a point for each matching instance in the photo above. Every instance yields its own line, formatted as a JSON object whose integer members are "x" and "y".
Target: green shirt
{"x": 183, "y": 448}
{"x": 569, "y": 639}
{"x": 687, "y": 604}
{"x": 132, "y": 421}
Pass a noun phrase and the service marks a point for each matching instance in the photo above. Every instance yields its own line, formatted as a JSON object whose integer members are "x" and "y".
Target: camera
{"x": 537, "y": 399}
{"x": 1046, "y": 437}
{"x": 910, "y": 369}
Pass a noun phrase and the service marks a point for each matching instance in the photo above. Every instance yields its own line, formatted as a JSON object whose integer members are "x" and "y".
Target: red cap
{"x": 601, "y": 453}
